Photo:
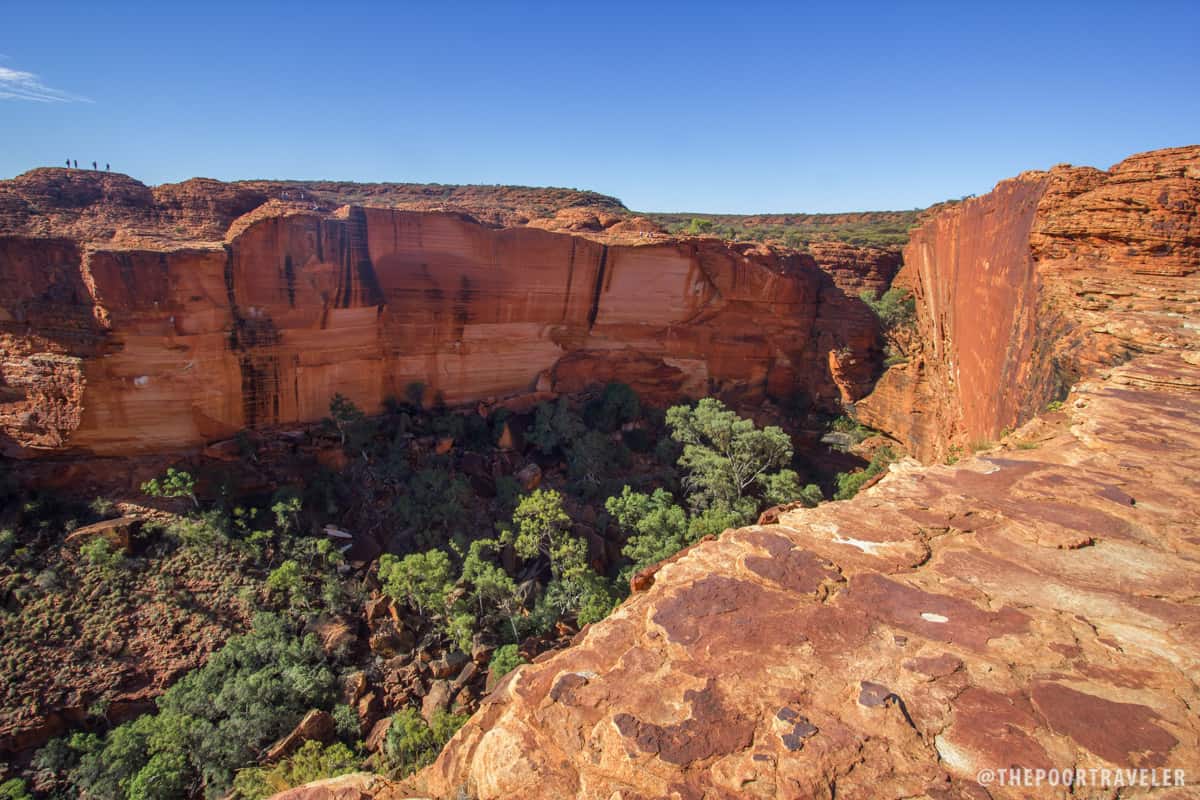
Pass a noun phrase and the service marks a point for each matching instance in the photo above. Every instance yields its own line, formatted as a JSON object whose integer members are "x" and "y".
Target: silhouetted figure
{"x": 68, "y": 163}
{"x": 76, "y": 165}
{"x": 107, "y": 168}
{"x": 93, "y": 165}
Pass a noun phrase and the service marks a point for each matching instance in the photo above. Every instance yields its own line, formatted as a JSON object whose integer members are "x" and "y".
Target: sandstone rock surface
{"x": 115, "y": 344}
{"x": 1025, "y": 290}
{"x": 1034, "y": 605}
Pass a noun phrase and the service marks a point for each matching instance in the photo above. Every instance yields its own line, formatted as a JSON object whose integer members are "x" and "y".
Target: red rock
{"x": 176, "y": 344}
{"x": 119, "y": 532}
{"x": 316, "y": 726}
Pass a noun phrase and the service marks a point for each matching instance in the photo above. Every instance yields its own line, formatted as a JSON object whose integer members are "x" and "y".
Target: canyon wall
{"x": 1026, "y": 289}
{"x": 116, "y": 350}
{"x": 1032, "y": 606}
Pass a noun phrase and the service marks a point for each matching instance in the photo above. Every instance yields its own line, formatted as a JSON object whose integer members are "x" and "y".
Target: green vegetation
{"x": 724, "y": 455}
{"x": 209, "y": 724}
{"x": 868, "y": 228}
{"x": 312, "y": 762}
{"x": 411, "y": 744}
{"x": 174, "y": 484}
{"x": 849, "y": 483}
{"x": 504, "y": 660}
{"x": 896, "y": 308}
{"x": 471, "y": 558}
{"x": 14, "y": 789}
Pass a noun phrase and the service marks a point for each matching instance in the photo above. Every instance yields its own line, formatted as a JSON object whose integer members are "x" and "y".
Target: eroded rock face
{"x": 115, "y": 351}
{"x": 1023, "y": 291}
{"x": 1033, "y": 605}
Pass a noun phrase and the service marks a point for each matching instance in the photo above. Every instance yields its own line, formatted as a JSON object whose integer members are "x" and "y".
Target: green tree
{"x": 176, "y": 483}
{"x": 492, "y": 589}
{"x": 540, "y": 526}
{"x": 423, "y": 580}
{"x": 348, "y": 419}
{"x": 656, "y": 528}
{"x": 617, "y": 405}
{"x": 725, "y": 456}
{"x": 555, "y": 426}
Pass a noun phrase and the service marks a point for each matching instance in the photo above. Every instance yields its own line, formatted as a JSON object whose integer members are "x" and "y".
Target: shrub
{"x": 98, "y": 553}
{"x": 14, "y": 789}
{"x": 211, "y": 722}
{"x": 312, "y": 762}
{"x": 176, "y": 483}
{"x": 896, "y": 308}
{"x": 286, "y": 580}
{"x": 409, "y": 744}
{"x": 849, "y": 483}
{"x": 504, "y": 660}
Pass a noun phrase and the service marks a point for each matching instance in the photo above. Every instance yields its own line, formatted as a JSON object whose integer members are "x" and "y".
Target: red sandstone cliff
{"x": 1032, "y": 606}
{"x": 1024, "y": 290}
{"x": 115, "y": 342}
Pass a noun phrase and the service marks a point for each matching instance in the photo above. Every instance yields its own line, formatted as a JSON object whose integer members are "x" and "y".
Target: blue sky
{"x": 717, "y": 107}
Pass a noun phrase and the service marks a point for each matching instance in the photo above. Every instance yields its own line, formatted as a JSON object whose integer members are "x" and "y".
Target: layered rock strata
{"x": 111, "y": 350}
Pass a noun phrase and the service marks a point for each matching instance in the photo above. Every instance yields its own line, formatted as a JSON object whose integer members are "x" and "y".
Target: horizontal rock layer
{"x": 115, "y": 351}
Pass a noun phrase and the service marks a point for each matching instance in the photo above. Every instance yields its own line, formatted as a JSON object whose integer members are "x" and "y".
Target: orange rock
{"x": 316, "y": 726}
{"x": 175, "y": 344}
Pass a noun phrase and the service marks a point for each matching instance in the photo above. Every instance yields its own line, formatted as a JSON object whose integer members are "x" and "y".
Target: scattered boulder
{"x": 118, "y": 532}
{"x": 317, "y": 725}
{"x": 436, "y": 699}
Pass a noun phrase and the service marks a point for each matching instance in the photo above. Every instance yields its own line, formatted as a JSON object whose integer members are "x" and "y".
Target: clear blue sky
{"x": 734, "y": 107}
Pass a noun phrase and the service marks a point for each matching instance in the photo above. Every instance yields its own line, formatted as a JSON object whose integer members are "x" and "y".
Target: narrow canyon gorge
{"x": 1022, "y": 588}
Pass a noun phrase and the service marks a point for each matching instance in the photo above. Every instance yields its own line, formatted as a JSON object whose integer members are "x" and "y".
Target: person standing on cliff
{"x": 76, "y": 165}
{"x": 107, "y": 168}
{"x": 94, "y": 167}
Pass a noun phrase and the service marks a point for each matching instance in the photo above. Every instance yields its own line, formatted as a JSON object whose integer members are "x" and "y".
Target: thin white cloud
{"x": 18, "y": 85}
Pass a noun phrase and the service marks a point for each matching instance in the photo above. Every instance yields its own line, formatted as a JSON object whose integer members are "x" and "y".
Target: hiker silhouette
{"x": 93, "y": 165}
{"x": 76, "y": 165}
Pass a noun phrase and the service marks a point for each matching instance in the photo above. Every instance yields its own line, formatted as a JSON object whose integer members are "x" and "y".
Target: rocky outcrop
{"x": 119, "y": 350}
{"x": 1024, "y": 290}
{"x": 1032, "y": 606}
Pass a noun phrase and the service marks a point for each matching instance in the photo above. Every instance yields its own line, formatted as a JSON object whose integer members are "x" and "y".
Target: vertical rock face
{"x": 1031, "y": 607}
{"x": 118, "y": 350}
{"x": 1024, "y": 290}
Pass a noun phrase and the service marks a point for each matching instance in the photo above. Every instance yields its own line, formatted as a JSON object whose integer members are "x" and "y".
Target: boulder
{"x": 316, "y": 725}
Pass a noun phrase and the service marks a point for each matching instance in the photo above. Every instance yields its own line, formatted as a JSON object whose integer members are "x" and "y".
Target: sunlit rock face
{"x": 114, "y": 342}
{"x": 1032, "y": 605}
{"x": 1026, "y": 289}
